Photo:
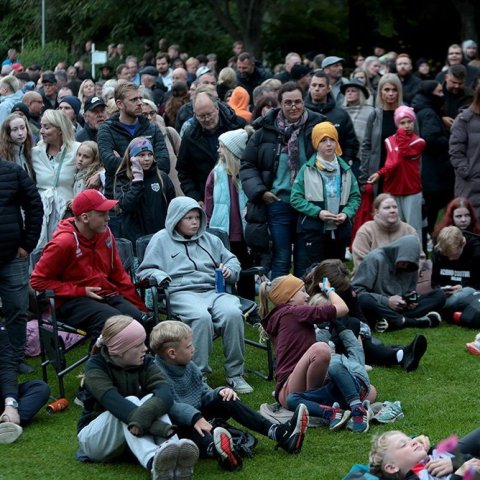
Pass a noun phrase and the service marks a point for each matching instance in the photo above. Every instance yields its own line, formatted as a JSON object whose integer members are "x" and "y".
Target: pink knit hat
{"x": 402, "y": 112}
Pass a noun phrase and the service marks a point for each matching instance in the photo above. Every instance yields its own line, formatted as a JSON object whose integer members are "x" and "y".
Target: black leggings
{"x": 235, "y": 409}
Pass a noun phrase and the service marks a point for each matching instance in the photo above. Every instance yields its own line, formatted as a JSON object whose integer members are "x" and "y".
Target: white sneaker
{"x": 239, "y": 384}
{"x": 188, "y": 455}
{"x": 9, "y": 432}
{"x": 165, "y": 461}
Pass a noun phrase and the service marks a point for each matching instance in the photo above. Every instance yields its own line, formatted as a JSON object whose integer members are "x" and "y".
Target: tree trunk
{"x": 466, "y": 10}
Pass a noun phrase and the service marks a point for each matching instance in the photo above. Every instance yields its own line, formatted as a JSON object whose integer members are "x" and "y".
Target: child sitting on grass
{"x": 195, "y": 403}
{"x": 395, "y": 456}
{"x": 346, "y": 387}
{"x": 126, "y": 404}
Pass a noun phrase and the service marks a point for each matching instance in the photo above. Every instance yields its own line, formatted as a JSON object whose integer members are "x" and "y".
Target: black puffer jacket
{"x": 17, "y": 193}
{"x": 343, "y": 123}
{"x": 196, "y": 159}
{"x": 437, "y": 172}
{"x": 258, "y": 167}
{"x": 114, "y": 137}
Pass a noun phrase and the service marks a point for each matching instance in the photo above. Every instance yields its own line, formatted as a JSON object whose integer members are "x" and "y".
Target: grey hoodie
{"x": 188, "y": 263}
{"x": 378, "y": 274}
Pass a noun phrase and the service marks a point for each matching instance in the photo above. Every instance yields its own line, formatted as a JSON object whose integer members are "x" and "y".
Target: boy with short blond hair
{"x": 195, "y": 403}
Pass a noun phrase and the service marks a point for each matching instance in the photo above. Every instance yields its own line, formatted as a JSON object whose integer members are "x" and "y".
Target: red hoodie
{"x": 70, "y": 262}
{"x": 402, "y": 167}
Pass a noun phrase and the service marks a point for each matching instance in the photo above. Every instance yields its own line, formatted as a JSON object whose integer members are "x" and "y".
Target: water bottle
{"x": 219, "y": 281}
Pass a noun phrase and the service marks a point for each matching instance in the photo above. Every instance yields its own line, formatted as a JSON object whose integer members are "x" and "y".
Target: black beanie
{"x": 428, "y": 86}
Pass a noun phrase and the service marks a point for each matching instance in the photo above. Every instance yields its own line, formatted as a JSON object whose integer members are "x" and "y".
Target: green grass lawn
{"x": 442, "y": 397}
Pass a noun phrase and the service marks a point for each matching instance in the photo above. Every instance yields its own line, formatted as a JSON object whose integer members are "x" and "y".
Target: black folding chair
{"x": 52, "y": 346}
{"x": 161, "y": 303}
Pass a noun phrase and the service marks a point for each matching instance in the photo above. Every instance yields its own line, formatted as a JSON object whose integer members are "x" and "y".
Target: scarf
{"x": 331, "y": 166}
{"x": 290, "y": 132}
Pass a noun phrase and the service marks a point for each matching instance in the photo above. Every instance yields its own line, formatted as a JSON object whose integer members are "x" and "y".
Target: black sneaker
{"x": 291, "y": 436}
{"x": 228, "y": 458}
{"x": 435, "y": 319}
{"x": 413, "y": 353}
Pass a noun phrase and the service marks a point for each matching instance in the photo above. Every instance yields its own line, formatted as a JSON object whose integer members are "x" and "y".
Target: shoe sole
{"x": 301, "y": 426}
{"x": 9, "y": 432}
{"x": 342, "y": 422}
{"x": 224, "y": 445}
{"x": 419, "y": 348}
{"x": 248, "y": 389}
{"x": 389, "y": 420}
{"x": 188, "y": 455}
{"x": 165, "y": 461}
{"x": 473, "y": 349}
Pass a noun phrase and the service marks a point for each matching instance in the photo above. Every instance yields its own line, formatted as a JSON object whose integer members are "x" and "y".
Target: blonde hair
{"x": 81, "y": 95}
{"x": 113, "y": 326}
{"x": 59, "y": 120}
{"x": 227, "y": 76}
{"x": 393, "y": 79}
{"x": 264, "y": 294}
{"x": 168, "y": 334}
{"x": 232, "y": 164}
{"x": 96, "y": 164}
{"x": 378, "y": 455}
{"x": 450, "y": 238}
{"x": 11, "y": 82}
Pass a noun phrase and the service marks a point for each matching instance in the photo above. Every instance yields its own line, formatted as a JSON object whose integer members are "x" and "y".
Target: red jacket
{"x": 70, "y": 262}
{"x": 401, "y": 171}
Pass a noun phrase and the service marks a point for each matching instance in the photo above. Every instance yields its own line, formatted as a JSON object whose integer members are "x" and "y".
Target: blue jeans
{"x": 14, "y": 294}
{"x": 341, "y": 387}
{"x": 282, "y": 221}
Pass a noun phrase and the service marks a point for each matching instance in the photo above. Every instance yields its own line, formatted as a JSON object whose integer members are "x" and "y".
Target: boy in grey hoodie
{"x": 186, "y": 255}
{"x": 385, "y": 283}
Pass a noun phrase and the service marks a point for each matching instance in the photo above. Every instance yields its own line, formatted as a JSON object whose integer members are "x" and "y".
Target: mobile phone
{"x": 107, "y": 296}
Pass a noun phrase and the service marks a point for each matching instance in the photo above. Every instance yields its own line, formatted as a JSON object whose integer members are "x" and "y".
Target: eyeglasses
{"x": 149, "y": 114}
{"x": 206, "y": 116}
{"x": 291, "y": 103}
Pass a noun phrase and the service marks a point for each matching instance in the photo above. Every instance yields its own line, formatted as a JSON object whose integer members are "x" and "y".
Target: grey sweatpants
{"x": 410, "y": 210}
{"x": 208, "y": 313}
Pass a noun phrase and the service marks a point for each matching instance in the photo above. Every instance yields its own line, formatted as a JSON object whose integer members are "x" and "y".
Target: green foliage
{"x": 48, "y": 57}
{"x": 440, "y": 398}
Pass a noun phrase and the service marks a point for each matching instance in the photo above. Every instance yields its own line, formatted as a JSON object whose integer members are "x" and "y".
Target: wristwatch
{"x": 11, "y": 403}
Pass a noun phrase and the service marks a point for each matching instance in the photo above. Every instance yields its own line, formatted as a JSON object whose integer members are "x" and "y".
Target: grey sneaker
{"x": 239, "y": 384}
{"x": 165, "y": 461}
{"x": 390, "y": 412}
{"x": 188, "y": 454}
{"x": 9, "y": 432}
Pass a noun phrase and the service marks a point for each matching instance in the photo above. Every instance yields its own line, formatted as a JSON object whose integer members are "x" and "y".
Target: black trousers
{"x": 90, "y": 315}
{"x": 235, "y": 409}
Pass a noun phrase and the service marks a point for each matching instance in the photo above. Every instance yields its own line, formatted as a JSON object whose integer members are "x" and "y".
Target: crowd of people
{"x": 303, "y": 169}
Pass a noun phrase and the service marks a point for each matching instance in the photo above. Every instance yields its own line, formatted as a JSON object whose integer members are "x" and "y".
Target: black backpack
{"x": 243, "y": 441}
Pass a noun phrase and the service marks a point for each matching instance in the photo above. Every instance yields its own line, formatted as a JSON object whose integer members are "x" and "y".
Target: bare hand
{"x": 373, "y": 178}
{"x": 201, "y": 426}
{"x": 448, "y": 122}
{"x": 21, "y": 253}
{"x": 134, "y": 430}
{"x": 228, "y": 394}
{"x": 326, "y": 216}
{"x": 453, "y": 289}
{"x": 269, "y": 197}
{"x": 396, "y": 302}
{"x": 440, "y": 468}
{"x": 225, "y": 271}
{"x": 473, "y": 463}
{"x": 90, "y": 292}
{"x": 10, "y": 414}
{"x": 93, "y": 181}
{"x": 340, "y": 218}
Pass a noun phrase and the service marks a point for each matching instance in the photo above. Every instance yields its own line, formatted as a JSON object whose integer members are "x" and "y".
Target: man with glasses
{"x": 269, "y": 166}
{"x": 199, "y": 148}
{"x": 94, "y": 115}
{"x": 34, "y": 103}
